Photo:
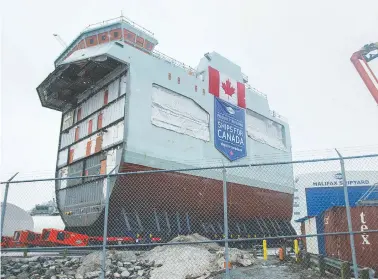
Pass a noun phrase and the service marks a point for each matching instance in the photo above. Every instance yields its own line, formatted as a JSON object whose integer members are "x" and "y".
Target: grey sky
{"x": 297, "y": 52}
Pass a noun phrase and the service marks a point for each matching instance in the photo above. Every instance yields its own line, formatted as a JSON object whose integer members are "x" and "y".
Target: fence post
{"x": 365, "y": 273}
{"x": 345, "y": 271}
{"x": 306, "y": 260}
{"x": 104, "y": 236}
{"x": 4, "y": 206}
{"x": 225, "y": 222}
{"x": 322, "y": 269}
{"x": 347, "y": 207}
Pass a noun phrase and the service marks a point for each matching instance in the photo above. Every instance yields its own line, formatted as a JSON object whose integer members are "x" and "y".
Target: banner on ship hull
{"x": 229, "y": 129}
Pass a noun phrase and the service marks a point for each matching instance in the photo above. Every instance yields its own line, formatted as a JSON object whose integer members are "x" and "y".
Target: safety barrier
{"x": 261, "y": 210}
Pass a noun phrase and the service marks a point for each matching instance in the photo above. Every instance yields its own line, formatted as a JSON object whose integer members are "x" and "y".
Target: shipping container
{"x": 338, "y": 246}
{"x": 313, "y": 225}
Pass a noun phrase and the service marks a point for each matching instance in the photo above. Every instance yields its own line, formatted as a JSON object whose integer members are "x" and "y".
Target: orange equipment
{"x": 64, "y": 238}
{"x": 360, "y": 61}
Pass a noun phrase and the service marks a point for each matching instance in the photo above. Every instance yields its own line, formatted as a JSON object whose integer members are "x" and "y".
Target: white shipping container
{"x": 311, "y": 242}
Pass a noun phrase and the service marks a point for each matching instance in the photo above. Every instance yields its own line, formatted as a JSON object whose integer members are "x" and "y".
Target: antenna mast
{"x": 60, "y": 40}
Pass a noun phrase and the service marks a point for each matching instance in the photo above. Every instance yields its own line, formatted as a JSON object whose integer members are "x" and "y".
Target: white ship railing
{"x": 248, "y": 86}
{"x": 245, "y": 78}
{"x": 175, "y": 62}
{"x": 274, "y": 114}
{"x": 119, "y": 19}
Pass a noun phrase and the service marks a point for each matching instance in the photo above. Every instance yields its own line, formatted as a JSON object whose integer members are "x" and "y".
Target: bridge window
{"x": 91, "y": 41}
{"x": 130, "y": 36}
{"x": 140, "y": 41}
{"x": 103, "y": 37}
{"x": 115, "y": 34}
{"x": 149, "y": 45}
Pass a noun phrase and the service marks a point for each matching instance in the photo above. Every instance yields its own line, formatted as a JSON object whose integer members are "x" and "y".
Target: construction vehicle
{"x": 51, "y": 237}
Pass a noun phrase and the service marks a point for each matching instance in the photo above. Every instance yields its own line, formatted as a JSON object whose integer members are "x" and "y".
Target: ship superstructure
{"x": 45, "y": 209}
{"x": 127, "y": 106}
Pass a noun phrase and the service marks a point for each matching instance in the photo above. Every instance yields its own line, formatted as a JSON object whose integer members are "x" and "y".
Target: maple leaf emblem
{"x": 227, "y": 87}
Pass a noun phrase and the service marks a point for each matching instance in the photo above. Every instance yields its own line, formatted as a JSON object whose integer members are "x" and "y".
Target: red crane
{"x": 360, "y": 60}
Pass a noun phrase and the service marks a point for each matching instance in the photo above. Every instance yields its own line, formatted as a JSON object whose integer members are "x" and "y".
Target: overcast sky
{"x": 297, "y": 52}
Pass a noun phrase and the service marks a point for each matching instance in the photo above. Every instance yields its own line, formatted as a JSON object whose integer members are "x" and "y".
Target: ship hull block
{"x": 171, "y": 203}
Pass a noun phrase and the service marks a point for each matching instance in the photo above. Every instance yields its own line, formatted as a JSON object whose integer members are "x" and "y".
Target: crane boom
{"x": 60, "y": 40}
{"x": 360, "y": 61}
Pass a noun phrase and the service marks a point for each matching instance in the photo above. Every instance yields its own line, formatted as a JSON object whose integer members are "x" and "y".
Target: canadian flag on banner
{"x": 226, "y": 88}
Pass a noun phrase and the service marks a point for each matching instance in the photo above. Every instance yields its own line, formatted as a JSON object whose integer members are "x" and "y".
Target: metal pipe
{"x": 90, "y": 247}
{"x": 4, "y": 206}
{"x": 225, "y": 221}
{"x": 104, "y": 236}
{"x": 197, "y": 168}
{"x": 347, "y": 206}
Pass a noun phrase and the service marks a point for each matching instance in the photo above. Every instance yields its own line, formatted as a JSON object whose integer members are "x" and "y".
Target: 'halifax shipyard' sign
{"x": 338, "y": 182}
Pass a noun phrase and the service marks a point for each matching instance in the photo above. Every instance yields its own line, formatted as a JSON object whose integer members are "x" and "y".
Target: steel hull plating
{"x": 170, "y": 203}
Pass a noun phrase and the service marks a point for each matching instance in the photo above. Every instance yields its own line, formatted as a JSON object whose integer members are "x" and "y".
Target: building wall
{"x": 318, "y": 191}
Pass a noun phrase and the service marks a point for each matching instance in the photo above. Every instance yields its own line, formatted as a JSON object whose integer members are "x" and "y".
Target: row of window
{"x": 113, "y": 35}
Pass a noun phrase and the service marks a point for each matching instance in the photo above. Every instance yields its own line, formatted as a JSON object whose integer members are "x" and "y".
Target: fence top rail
{"x": 59, "y": 248}
{"x": 196, "y": 169}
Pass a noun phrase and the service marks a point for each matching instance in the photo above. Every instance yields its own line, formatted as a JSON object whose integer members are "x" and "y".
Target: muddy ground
{"x": 273, "y": 269}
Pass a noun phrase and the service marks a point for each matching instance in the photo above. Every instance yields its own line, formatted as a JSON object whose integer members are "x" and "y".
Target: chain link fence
{"x": 201, "y": 222}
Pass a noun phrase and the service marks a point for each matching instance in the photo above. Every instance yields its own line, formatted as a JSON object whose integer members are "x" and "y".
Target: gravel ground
{"x": 167, "y": 262}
